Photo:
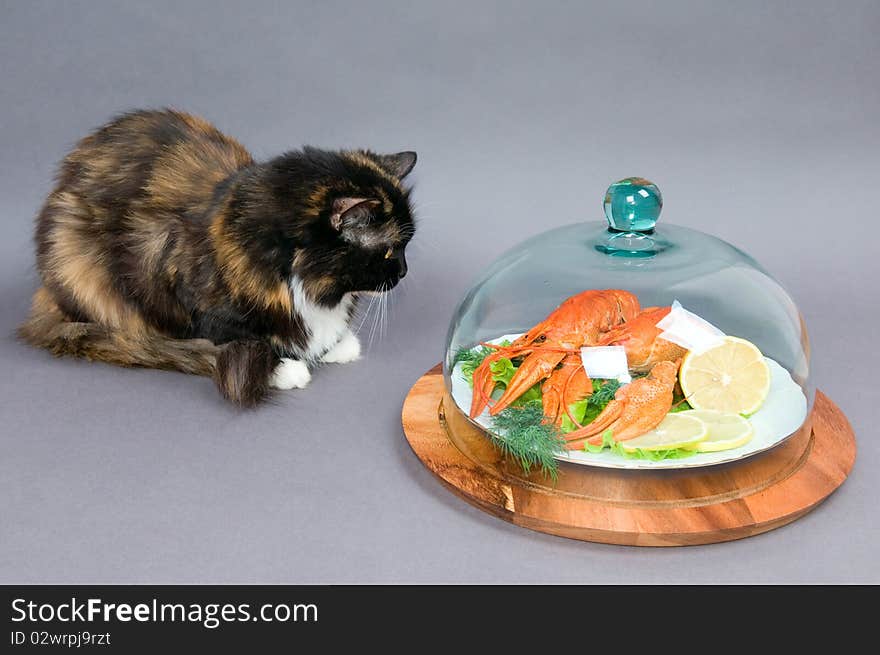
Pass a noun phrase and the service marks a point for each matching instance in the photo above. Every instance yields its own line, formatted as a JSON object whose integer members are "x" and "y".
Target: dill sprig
{"x": 603, "y": 392}
{"x": 523, "y": 434}
{"x": 471, "y": 357}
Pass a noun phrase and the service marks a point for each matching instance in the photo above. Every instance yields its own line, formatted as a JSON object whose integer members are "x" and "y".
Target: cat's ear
{"x": 399, "y": 164}
{"x": 352, "y": 212}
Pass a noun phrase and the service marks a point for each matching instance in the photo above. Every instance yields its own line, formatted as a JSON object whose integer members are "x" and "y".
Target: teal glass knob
{"x": 633, "y": 205}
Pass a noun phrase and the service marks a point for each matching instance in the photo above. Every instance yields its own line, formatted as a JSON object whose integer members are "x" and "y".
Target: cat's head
{"x": 373, "y": 228}
{"x": 359, "y": 222}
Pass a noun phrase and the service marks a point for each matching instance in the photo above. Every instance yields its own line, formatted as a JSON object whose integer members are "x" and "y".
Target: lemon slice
{"x": 731, "y": 377}
{"x": 674, "y": 431}
{"x": 726, "y": 431}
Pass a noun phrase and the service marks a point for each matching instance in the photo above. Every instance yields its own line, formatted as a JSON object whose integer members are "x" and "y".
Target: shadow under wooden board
{"x": 633, "y": 507}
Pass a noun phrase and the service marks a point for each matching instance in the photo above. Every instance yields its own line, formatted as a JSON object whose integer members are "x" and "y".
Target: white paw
{"x": 347, "y": 349}
{"x": 290, "y": 374}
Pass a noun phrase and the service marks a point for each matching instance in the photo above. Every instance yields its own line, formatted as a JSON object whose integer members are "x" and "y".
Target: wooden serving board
{"x": 633, "y": 507}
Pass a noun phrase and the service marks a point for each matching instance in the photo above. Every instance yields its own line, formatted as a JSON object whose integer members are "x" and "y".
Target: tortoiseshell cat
{"x": 165, "y": 245}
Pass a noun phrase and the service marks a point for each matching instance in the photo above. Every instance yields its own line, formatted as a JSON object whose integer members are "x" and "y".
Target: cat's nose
{"x": 401, "y": 263}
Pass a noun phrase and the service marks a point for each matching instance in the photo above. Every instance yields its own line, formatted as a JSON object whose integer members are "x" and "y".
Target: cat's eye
{"x": 390, "y": 253}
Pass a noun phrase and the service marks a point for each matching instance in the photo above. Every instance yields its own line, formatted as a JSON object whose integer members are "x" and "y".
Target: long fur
{"x": 165, "y": 245}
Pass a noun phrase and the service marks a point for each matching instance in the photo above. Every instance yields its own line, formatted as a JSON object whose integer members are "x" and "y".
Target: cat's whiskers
{"x": 382, "y": 308}
{"x": 386, "y": 299}
{"x": 373, "y": 323}
{"x": 373, "y": 296}
{"x": 376, "y": 328}
{"x": 380, "y": 315}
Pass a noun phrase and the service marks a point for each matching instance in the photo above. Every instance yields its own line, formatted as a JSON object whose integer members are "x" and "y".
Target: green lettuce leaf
{"x": 471, "y": 358}
{"x": 503, "y": 371}
{"x": 654, "y": 455}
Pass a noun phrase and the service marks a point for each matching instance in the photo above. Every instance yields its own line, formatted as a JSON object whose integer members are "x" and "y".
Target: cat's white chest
{"x": 324, "y": 326}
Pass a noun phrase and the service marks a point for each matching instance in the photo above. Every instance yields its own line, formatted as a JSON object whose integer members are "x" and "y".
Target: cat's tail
{"x": 242, "y": 370}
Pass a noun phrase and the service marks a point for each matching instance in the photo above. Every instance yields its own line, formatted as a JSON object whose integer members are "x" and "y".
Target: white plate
{"x": 780, "y": 416}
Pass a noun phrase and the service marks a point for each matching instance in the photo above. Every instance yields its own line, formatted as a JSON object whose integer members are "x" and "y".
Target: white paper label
{"x": 606, "y": 363}
{"x": 688, "y": 330}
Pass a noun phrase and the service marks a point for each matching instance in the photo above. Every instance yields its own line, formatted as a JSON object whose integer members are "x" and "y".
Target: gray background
{"x": 758, "y": 121}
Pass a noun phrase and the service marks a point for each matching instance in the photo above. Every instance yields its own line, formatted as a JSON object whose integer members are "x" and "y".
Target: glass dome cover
{"x": 659, "y": 264}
